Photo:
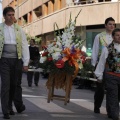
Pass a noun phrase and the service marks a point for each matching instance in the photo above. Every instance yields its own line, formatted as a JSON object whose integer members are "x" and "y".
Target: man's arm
{"x": 25, "y": 51}
{"x": 95, "y": 51}
{"x": 101, "y": 65}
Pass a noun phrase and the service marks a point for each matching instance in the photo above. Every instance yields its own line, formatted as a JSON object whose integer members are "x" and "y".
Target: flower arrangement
{"x": 64, "y": 54}
{"x": 63, "y": 57}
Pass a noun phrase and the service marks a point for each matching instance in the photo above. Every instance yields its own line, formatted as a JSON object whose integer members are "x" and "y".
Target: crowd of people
{"x": 16, "y": 56}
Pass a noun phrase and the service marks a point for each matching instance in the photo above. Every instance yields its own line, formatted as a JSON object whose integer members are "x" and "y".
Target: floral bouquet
{"x": 64, "y": 55}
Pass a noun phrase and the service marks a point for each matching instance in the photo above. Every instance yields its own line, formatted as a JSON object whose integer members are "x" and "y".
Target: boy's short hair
{"x": 109, "y": 19}
{"x": 115, "y": 30}
{"x": 33, "y": 40}
{"x": 8, "y": 9}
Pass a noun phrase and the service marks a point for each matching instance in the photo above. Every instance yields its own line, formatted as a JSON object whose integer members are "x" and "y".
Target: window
{"x": 38, "y": 11}
{"x": 89, "y": 41}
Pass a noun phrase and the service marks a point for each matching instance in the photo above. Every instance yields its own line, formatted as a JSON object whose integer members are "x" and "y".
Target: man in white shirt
{"x": 110, "y": 60}
{"x": 101, "y": 40}
{"x": 13, "y": 50}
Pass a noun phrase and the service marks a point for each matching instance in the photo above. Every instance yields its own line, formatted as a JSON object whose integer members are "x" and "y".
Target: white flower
{"x": 73, "y": 23}
{"x": 80, "y": 65}
{"x": 57, "y": 49}
{"x": 72, "y": 28}
{"x": 77, "y": 45}
{"x": 51, "y": 50}
{"x": 55, "y": 39}
{"x": 56, "y": 55}
{"x": 58, "y": 38}
{"x": 58, "y": 43}
{"x": 68, "y": 30}
{"x": 68, "y": 34}
{"x": 49, "y": 54}
{"x": 43, "y": 59}
{"x": 50, "y": 45}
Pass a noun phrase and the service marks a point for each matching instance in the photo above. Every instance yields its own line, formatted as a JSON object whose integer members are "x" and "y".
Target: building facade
{"x": 37, "y": 17}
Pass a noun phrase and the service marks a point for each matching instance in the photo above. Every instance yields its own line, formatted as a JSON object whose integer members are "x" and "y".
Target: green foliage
{"x": 87, "y": 70}
{"x": 24, "y": 22}
{"x": 28, "y": 37}
{"x": 49, "y": 66}
{"x": 77, "y": 39}
{"x": 37, "y": 39}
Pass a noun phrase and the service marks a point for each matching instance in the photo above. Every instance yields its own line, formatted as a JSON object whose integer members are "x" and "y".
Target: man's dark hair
{"x": 33, "y": 40}
{"x": 8, "y": 9}
{"x": 109, "y": 19}
{"x": 115, "y": 30}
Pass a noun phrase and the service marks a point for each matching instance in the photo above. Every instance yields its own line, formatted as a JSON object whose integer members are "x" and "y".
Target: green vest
{"x": 18, "y": 39}
{"x": 102, "y": 41}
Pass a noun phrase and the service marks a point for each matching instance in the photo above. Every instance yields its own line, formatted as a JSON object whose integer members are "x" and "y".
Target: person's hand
{"x": 94, "y": 76}
{"x": 30, "y": 61}
{"x": 93, "y": 67}
{"x": 15, "y": 21}
{"x": 99, "y": 81}
{"x": 25, "y": 68}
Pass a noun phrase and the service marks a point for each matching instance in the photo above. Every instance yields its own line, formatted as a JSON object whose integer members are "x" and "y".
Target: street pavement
{"x": 35, "y": 99}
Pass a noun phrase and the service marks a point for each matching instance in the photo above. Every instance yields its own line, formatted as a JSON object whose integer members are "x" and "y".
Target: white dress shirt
{"x": 101, "y": 65}
{"x": 95, "y": 49}
{"x": 10, "y": 38}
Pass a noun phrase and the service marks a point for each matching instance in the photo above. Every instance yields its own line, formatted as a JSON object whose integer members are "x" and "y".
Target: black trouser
{"x": 112, "y": 96}
{"x": 30, "y": 77}
{"x": 9, "y": 74}
{"x": 99, "y": 95}
{"x": 18, "y": 93}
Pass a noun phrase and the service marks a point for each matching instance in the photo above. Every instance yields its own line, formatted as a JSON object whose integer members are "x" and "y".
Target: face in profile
{"x": 116, "y": 37}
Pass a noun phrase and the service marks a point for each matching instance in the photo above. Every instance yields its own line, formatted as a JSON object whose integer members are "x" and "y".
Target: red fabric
{"x": 115, "y": 74}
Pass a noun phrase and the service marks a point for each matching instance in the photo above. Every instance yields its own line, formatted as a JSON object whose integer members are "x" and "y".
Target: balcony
{"x": 91, "y": 14}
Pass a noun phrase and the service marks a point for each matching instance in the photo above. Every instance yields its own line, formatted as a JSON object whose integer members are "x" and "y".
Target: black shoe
{"x": 109, "y": 116}
{"x": 114, "y": 118}
{"x": 96, "y": 110}
{"x": 21, "y": 109}
{"x": 36, "y": 84}
{"x": 6, "y": 116}
{"x": 11, "y": 112}
{"x": 29, "y": 85}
